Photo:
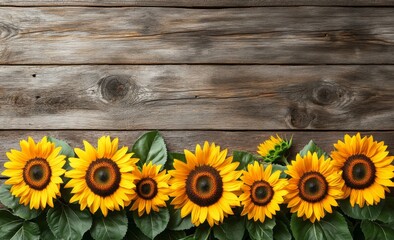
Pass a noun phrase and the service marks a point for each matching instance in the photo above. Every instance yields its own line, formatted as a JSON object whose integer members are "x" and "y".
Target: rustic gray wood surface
{"x": 197, "y": 97}
{"x": 229, "y": 71}
{"x": 194, "y": 3}
{"x": 157, "y": 35}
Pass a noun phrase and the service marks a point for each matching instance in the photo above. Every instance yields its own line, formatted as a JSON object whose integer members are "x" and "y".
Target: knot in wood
{"x": 326, "y": 93}
{"x": 299, "y": 117}
{"x": 114, "y": 88}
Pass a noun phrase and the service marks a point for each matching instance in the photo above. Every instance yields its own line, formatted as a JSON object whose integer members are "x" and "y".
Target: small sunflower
{"x": 35, "y": 172}
{"x": 204, "y": 186}
{"x": 366, "y": 169}
{"x": 151, "y": 189}
{"x": 102, "y": 178}
{"x": 274, "y": 148}
{"x": 262, "y": 192}
{"x": 313, "y": 187}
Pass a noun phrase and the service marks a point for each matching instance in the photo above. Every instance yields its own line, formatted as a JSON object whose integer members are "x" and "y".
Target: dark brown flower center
{"x": 359, "y": 172}
{"x": 147, "y": 188}
{"x": 103, "y": 177}
{"x": 37, "y": 173}
{"x": 261, "y": 193}
{"x": 313, "y": 187}
{"x": 204, "y": 186}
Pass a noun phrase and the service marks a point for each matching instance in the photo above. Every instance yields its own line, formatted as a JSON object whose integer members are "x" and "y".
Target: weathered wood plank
{"x": 192, "y": 3}
{"x": 179, "y": 140}
{"x": 197, "y": 97}
{"x": 127, "y": 35}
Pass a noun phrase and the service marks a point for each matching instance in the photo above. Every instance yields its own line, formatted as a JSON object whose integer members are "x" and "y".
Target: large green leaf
{"x": 152, "y": 224}
{"x": 151, "y": 147}
{"x": 28, "y": 231}
{"x": 258, "y": 230}
{"x": 134, "y": 233}
{"x": 177, "y": 222}
{"x": 171, "y": 235}
{"x": 202, "y": 232}
{"x": 375, "y": 230}
{"x": 244, "y": 158}
{"x": 68, "y": 221}
{"x": 12, "y": 203}
{"x": 15, "y": 228}
{"x": 387, "y": 213}
{"x": 233, "y": 228}
{"x": 366, "y": 212}
{"x": 331, "y": 227}
{"x": 312, "y": 147}
{"x": 112, "y": 227}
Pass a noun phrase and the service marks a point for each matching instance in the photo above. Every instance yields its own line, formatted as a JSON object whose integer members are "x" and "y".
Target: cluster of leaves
{"x": 67, "y": 221}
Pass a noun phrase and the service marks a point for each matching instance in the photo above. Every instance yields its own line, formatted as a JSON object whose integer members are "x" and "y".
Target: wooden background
{"x": 229, "y": 71}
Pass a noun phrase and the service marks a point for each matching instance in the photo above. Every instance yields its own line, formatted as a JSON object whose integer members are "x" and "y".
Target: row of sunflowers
{"x": 112, "y": 192}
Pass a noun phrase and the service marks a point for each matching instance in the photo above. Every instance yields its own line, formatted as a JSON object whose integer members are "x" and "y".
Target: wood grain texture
{"x": 178, "y": 140}
{"x": 197, "y": 97}
{"x": 261, "y": 35}
{"x": 193, "y": 3}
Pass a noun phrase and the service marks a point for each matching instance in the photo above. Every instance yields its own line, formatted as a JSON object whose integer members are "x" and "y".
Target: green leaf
{"x": 15, "y": 228}
{"x": 375, "y": 230}
{"x": 68, "y": 221}
{"x": 387, "y": 213}
{"x": 172, "y": 157}
{"x": 331, "y": 227}
{"x": 171, "y": 235}
{"x": 281, "y": 231}
{"x": 258, "y": 230}
{"x": 17, "y": 208}
{"x": 28, "y": 231}
{"x": 232, "y": 228}
{"x": 134, "y": 233}
{"x": 312, "y": 147}
{"x": 177, "y": 222}
{"x": 366, "y": 212}
{"x": 152, "y": 224}
{"x": 112, "y": 227}
{"x": 151, "y": 147}
{"x": 244, "y": 158}
{"x": 202, "y": 232}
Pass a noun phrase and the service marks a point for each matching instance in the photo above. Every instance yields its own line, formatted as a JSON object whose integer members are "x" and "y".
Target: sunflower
{"x": 102, "y": 178}
{"x": 35, "y": 172}
{"x": 151, "y": 189}
{"x": 366, "y": 169}
{"x": 204, "y": 185}
{"x": 274, "y": 148}
{"x": 313, "y": 187}
{"x": 262, "y": 192}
